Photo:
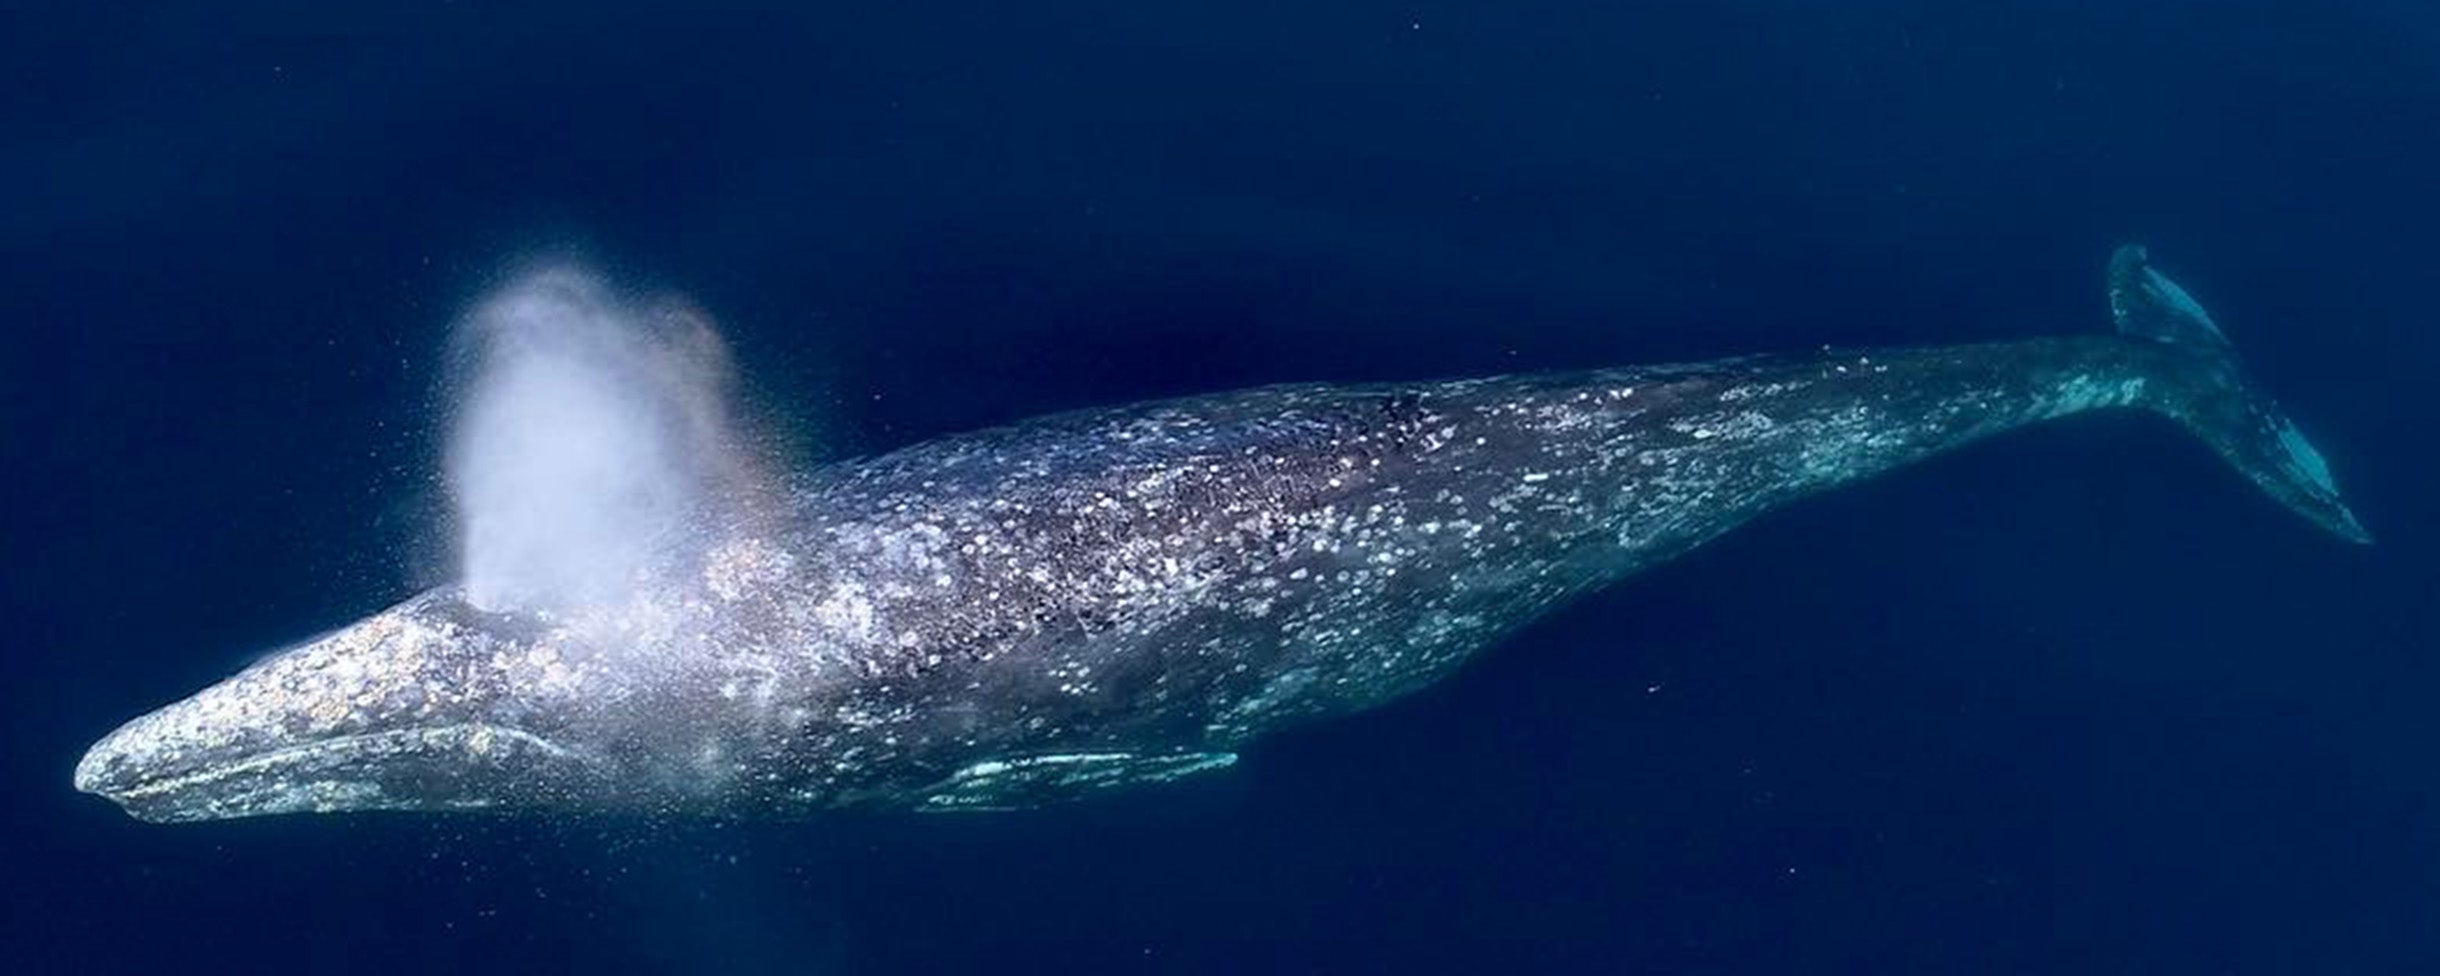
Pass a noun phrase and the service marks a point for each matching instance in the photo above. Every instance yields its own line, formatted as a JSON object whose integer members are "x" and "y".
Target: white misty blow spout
{"x": 591, "y": 442}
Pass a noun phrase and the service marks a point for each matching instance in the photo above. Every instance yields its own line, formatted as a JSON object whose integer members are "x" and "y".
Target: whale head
{"x": 433, "y": 704}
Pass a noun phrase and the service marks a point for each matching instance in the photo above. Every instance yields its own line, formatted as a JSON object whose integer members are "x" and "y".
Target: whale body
{"x": 1091, "y": 600}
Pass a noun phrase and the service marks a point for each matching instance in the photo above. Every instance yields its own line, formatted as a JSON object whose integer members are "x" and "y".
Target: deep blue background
{"x": 2075, "y": 701}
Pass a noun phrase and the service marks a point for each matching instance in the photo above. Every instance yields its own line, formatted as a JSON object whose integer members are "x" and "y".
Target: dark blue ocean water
{"x": 2072, "y": 701}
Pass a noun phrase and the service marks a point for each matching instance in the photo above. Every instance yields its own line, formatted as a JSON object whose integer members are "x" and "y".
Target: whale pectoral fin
{"x": 1030, "y": 781}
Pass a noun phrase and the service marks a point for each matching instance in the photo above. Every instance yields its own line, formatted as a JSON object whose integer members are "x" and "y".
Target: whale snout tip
{"x": 102, "y": 769}
{"x": 115, "y": 766}
{"x": 115, "y": 769}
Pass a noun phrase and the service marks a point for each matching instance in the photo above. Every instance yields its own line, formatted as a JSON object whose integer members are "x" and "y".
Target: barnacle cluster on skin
{"x": 335, "y": 685}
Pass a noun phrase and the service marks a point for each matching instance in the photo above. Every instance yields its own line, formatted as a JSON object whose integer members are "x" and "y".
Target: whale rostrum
{"x": 1092, "y": 600}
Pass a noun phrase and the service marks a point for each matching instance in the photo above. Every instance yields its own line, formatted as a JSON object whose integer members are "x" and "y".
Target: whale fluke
{"x": 2148, "y": 305}
{"x": 2225, "y": 409}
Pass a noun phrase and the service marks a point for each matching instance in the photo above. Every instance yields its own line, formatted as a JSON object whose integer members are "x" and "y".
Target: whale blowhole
{"x": 592, "y": 443}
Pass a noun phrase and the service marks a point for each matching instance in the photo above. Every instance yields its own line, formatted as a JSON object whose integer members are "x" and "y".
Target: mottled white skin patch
{"x": 1090, "y": 599}
{"x": 427, "y": 705}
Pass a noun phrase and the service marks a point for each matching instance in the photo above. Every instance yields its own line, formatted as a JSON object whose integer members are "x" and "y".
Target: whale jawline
{"x": 336, "y": 774}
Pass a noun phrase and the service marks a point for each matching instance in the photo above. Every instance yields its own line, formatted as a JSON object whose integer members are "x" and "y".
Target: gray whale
{"x": 1042, "y": 611}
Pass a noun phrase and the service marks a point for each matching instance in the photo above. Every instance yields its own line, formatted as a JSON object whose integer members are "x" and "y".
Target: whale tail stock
{"x": 2224, "y": 408}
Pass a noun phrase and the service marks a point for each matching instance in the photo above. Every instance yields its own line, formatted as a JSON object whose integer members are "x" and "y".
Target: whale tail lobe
{"x": 2224, "y": 408}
